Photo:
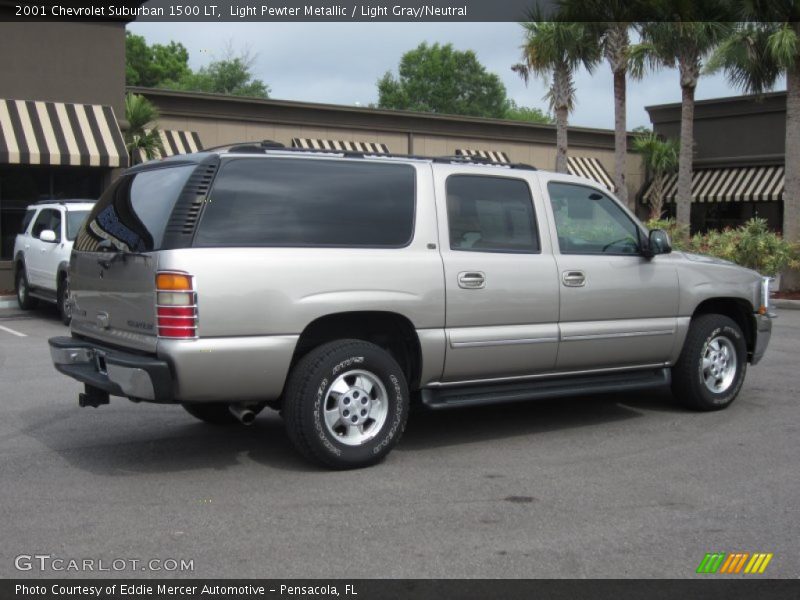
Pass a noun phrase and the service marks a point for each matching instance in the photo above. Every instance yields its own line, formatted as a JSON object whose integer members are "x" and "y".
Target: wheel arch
{"x": 391, "y": 331}
{"x": 737, "y": 309}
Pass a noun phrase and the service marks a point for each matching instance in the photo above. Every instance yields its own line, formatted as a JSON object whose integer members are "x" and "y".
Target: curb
{"x": 785, "y": 303}
{"x": 8, "y": 302}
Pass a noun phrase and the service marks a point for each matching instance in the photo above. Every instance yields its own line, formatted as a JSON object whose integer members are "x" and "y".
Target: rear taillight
{"x": 176, "y": 305}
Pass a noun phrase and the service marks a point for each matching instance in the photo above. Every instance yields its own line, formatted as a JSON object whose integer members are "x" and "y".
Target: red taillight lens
{"x": 176, "y": 311}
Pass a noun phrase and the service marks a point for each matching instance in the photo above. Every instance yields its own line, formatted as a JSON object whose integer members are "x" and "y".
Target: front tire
{"x": 346, "y": 404}
{"x": 712, "y": 365}
{"x": 24, "y": 299}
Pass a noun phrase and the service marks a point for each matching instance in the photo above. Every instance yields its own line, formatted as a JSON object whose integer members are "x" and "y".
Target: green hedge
{"x": 751, "y": 245}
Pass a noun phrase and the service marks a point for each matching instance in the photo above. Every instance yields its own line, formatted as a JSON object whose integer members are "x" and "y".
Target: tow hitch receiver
{"x": 92, "y": 397}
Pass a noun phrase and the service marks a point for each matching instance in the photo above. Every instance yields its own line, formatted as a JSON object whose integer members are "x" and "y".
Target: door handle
{"x": 573, "y": 278}
{"x": 471, "y": 280}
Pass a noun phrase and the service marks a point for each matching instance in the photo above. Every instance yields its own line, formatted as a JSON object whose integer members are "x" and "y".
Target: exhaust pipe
{"x": 242, "y": 413}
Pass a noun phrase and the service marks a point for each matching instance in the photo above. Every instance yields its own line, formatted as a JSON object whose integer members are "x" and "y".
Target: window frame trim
{"x": 536, "y": 229}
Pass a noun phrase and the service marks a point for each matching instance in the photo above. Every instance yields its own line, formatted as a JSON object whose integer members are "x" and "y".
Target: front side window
{"x": 490, "y": 214}
{"x": 301, "y": 202}
{"x": 48, "y": 219}
{"x": 590, "y": 222}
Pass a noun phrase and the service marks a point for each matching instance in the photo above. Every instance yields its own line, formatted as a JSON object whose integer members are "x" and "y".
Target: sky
{"x": 340, "y": 63}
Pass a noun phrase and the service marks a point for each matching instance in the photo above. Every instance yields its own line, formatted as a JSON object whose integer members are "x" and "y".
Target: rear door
{"x": 113, "y": 291}
{"x": 618, "y": 308}
{"x": 500, "y": 277}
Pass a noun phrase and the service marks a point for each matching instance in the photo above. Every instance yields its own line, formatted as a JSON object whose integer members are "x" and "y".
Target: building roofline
{"x": 361, "y": 117}
{"x": 725, "y": 100}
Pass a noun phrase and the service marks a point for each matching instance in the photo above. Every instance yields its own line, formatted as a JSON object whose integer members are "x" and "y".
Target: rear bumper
{"x": 116, "y": 372}
{"x": 763, "y": 334}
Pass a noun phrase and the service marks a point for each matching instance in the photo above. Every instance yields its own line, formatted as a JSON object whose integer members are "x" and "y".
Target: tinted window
{"x": 75, "y": 219}
{"x": 490, "y": 214}
{"x": 589, "y": 222}
{"x": 26, "y": 220}
{"x": 49, "y": 218}
{"x": 291, "y": 202}
{"x": 133, "y": 213}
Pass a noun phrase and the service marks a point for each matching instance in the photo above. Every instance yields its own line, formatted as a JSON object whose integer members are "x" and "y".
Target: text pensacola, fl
{"x": 243, "y": 11}
{"x": 193, "y": 591}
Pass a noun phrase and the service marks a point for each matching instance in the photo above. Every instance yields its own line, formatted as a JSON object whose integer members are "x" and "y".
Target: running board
{"x": 44, "y": 295}
{"x": 496, "y": 393}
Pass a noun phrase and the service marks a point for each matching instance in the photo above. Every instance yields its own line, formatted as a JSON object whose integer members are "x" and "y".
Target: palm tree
{"x": 684, "y": 44}
{"x": 554, "y": 51}
{"x": 660, "y": 158}
{"x": 612, "y": 21}
{"x": 142, "y": 136}
{"x": 754, "y": 57}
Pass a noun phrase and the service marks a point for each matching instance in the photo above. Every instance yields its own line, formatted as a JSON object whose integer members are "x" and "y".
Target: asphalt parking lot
{"x": 610, "y": 486}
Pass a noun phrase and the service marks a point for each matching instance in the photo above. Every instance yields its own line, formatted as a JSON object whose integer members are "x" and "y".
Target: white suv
{"x": 42, "y": 249}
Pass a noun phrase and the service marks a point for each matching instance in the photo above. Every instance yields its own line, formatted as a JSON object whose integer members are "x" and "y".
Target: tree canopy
{"x": 440, "y": 79}
{"x": 167, "y": 66}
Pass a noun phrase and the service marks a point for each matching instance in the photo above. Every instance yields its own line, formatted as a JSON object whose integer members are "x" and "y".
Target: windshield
{"x": 75, "y": 219}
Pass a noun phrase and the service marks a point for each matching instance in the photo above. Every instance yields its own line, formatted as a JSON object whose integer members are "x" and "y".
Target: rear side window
{"x": 26, "y": 220}
{"x": 133, "y": 213}
{"x": 490, "y": 214}
{"x": 297, "y": 202}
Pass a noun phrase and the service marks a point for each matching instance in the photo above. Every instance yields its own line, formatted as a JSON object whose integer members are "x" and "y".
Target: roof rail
{"x": 67, "y": 201}
{"x": 267, "y": 145}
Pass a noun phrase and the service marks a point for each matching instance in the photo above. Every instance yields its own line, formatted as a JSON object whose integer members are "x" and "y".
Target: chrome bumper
{"x": 113, "y": 371}
{"x": 763, "y": 334}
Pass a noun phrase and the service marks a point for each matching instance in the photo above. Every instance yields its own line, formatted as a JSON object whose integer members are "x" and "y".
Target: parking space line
{"x": 12, "y": 332}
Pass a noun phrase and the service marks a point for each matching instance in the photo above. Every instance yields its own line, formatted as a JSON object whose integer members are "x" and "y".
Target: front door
{"x": 618, "y": 308}
{"x": 500, "y": 278}
{"x": 39, "y": 257}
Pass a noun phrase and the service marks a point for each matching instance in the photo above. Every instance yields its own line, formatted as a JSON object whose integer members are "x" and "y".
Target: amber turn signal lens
{"x": 173, "y": 281}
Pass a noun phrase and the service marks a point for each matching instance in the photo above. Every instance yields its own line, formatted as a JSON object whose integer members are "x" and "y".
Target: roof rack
{"x": 67, "y": 201}
{"x": 267, "y": 145}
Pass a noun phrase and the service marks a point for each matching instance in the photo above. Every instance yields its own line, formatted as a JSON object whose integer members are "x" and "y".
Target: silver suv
{"x": 340, "y": 287}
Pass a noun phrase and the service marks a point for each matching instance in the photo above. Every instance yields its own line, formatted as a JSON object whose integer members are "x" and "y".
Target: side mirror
{"x": 658, "y": 243}
{"x": 48, "y": 235}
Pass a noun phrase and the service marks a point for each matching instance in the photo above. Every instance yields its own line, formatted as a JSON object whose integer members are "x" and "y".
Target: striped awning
{"x": 590, "y": 168}
{"x": 734, "y": 184}
{"x": 175, "y": 142}
{"x": 491, "y": 155}
{"x": 344, "y": 145}
{"x": 57, "y": 133}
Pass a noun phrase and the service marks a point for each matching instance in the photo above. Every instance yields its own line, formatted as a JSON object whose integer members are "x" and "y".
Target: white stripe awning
{"x": 590, "y": 168}
{"x": 341, "y": 145}
{"x": 733, "y": 184}
{"x": 55, "y": 133}
{"x": 175, "y": 142}
{"x": 490, "y": 155}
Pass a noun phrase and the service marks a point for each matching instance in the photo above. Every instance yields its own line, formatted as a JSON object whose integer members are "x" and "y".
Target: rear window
{"x": 296, "y": 202}
{"x": 133, "y": 213}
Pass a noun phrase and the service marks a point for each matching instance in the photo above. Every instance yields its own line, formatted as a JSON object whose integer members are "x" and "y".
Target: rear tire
{"x": 712, "y": 365}
{"x": 62, "y": 299}
{"x": 24, "y": 299}
{"x": 215, "y": 413}
{"x": 346, "y": 404}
